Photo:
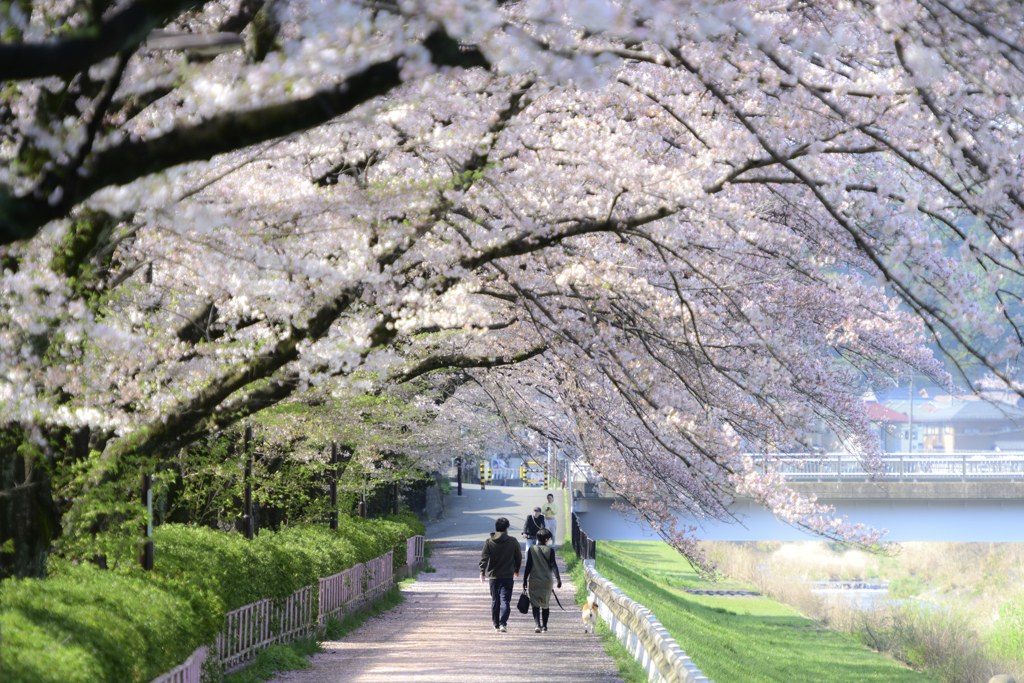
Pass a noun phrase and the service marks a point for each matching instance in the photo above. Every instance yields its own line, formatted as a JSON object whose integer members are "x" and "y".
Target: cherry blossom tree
{"x": 698, "y": 227}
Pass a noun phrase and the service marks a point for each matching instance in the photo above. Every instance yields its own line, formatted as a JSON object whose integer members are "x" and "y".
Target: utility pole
{"x": 547, "y": 466}
{"x": 910, "y": 448}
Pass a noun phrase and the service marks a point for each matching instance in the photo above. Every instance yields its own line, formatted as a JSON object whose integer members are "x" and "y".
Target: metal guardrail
{"x": 584, "y": 546}
{"x": 650, "y": 644}
{"x": 636, "y": 627}
{"x": 980, "y": 466}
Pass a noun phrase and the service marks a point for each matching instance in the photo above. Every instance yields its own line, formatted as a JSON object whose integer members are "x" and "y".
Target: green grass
{"x": 739, "y": 640}
{"x": 277, "y": 657}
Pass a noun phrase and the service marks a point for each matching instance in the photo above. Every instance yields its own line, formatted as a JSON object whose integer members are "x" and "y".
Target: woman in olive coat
{"x": 541, "y": 574}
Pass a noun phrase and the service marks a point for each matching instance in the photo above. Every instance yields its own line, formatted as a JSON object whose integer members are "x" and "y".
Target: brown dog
{"x": 590, "y": 614}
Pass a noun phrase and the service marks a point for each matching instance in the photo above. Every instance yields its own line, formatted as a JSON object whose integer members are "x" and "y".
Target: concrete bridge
{"x": 965, "y": 497}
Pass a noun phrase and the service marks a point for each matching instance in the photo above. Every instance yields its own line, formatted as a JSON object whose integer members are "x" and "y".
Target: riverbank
{"x": 955, "y": 610}
{"x": 740, "y": 637}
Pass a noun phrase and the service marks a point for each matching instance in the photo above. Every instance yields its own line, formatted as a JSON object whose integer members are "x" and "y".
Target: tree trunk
{"x": 29, "y": 519}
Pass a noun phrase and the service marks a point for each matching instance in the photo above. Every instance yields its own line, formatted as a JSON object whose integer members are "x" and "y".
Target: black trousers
{"x": 501, "y": 598}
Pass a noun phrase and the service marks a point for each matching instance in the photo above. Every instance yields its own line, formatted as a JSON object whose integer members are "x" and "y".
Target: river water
{"x": 864, "y": 595}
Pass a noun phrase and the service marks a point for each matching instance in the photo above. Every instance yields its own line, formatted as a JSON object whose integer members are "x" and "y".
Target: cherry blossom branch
{"x": 928, "y": 312}
{"x": 22, "y": 217}
{"x": 461, "y": 361}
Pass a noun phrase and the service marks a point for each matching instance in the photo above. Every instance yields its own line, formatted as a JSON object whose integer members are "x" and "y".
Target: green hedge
{"x": 85, "y": 624}
{"x": 91, "y": 625}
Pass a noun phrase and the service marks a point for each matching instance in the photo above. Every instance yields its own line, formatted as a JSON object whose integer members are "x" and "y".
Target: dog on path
{"x": 590, "y": 614}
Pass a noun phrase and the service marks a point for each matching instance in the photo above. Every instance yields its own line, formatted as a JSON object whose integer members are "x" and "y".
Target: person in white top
{"x": 551, "y": 517}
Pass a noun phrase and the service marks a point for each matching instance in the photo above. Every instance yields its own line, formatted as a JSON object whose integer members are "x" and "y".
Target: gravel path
{"x": 442, "y": 633}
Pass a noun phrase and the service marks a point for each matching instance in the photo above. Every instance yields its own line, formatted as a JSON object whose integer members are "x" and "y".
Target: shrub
{"x": 84, "y": 624}
{"x": 1007, "y": 638}
{"x": 89, "y": 625}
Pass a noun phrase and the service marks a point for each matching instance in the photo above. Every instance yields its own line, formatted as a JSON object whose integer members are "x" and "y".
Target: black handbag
{"x": 524, "y": 603}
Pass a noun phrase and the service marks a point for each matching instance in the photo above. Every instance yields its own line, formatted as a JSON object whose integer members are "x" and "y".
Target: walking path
{"x": 470, "y": 517}
{"x": 442, "y": 633}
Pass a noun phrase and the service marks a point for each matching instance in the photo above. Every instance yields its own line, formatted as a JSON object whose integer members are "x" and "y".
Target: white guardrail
{"x": 250, "y": 628}
{"x": 641, "y": 633}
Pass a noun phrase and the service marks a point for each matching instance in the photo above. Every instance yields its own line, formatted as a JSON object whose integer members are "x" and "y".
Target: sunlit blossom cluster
{"x": 704, "y": 229}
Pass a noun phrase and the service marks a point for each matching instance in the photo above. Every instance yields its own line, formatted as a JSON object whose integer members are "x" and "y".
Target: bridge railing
{"x": 905, "y": 466}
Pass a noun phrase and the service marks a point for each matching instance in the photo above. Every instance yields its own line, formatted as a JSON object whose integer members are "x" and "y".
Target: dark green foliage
{"x": 84, "y": 624}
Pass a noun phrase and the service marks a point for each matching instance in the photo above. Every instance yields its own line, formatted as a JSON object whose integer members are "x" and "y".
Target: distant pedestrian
{"x": 540, "y": 575}
{"x": 534, "y": 523}
{"x": 500, "y": 562}
{"x": 551, "y": 517}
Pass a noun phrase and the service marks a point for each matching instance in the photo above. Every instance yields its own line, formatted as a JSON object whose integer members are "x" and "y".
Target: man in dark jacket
{"x": 500, "y": 562}
{"x": 534, "y": 523}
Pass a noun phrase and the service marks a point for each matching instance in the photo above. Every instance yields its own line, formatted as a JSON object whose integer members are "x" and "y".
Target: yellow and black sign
{"x": 533, "y": 474}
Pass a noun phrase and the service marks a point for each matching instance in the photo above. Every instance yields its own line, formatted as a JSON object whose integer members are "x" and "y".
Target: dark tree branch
{"x": 237, "y": 22}
{"x": 22, "y": 217}
{"x": 464, "y": 362}
{"x": 120, "y": 33}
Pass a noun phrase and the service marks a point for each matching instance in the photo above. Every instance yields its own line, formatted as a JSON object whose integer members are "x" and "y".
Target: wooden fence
{"x": 251, "y": 628}
{"x": 361, "y": 582}
{"x": 189, "y": 671}
{"x": 414, "y": 550}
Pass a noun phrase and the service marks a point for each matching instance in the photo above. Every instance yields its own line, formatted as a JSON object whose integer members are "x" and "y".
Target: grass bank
{"x": 956, "y": 609}
{"x": 740, "y": 639}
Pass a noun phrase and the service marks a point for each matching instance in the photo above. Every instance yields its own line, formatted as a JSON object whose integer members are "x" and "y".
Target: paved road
{"x": 442, "y": 633}
{"x": 471, "y": 516}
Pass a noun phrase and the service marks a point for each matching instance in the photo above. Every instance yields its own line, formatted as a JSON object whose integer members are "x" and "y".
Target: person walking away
{"x": 551, "y": 517}
{"x": 500, "y": 561}
{"x": 540, "y": 575}
{"x": 534, "y": 523}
